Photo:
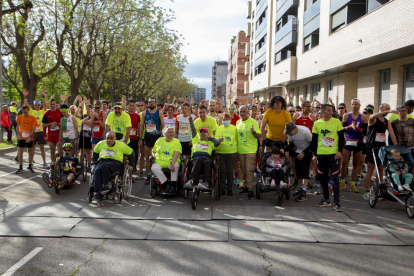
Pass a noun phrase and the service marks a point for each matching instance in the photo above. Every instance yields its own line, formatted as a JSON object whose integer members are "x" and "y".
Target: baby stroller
{"x": 264, "y": 183}
{"x": 403, "y": 197}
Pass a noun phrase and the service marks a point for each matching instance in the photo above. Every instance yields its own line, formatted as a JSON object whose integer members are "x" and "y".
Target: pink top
{"x": 5, "y": 119}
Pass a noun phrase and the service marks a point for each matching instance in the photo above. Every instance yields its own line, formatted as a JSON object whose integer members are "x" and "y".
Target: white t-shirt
{"x": 184, "y": 129}
{"x": 302, "y": 139}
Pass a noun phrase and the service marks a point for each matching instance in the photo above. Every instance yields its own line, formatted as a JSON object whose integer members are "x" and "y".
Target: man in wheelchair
{"x": 111, "y": 154}
{"x": 202, "y": 161}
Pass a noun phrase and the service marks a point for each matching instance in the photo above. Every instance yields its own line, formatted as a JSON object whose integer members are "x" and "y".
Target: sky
{"x": 207, "y": 26}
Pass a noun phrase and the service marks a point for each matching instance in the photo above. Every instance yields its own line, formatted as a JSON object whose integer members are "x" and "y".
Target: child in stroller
{"x": 276, "y": 168}
{"x": 399, "y": 170}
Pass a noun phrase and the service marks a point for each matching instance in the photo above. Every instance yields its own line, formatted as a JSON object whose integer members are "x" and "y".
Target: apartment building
{"x": 198, "y": 94}
{"x": 341, "y": 49}
{"x": 219, "y": 77}
{"x": 236, "y": 77}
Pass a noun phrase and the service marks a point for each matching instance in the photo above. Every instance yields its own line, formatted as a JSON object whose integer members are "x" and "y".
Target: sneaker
{"x": 298, "y": 193}
{"x": 301, "y": 198}
{"x": 317, "y": 191}
{"x": 245, "y": 191}
{"x": 167, "y": 188}
{"x": 256, "y": 174}
{"x": 338, "y": 208}
{"x": 250, "y": 195}
{"x": 324, "y": 203}
{"x": 366, "y": 196}
{"x": 19, "y": 171}
{"x": 45, "y": 166}
{"x": 400, "y": 188}
{"x": 31, "y": 169}
{"x": 147, "y": 182}
{"x": 406, "y": 187}
{"x": 236, "y": 182}
{"x": 241, "y": 186}
{"x": 16, "y": 159}
{"x": 273, "y": 184}
{"x": 98, "y": 196}
{"x": 189, "y": 184}
{"x": 283, "y": 184}
{"x": 354, "y": 189}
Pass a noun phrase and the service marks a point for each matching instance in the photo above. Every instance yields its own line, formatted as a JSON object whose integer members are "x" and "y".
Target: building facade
{"x": 236, "y": 77}
{"x": 198, "y": 94}
{"x": 219, "y": 77}
{"x": 341, "y": 49}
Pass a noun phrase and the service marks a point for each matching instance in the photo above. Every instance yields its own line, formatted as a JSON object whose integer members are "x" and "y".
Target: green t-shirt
{"x": 119, "y": 124}
{"x": 327, "y": 135}
{"x": 246, "y": 143}
{"x": 229, "y": 145}
{"x": 393, "y": 117}
{"x": 39, "y": 117}
{"x": 164, "y": 151}
{"x": 115, "y": 152}
{"x": 210, "y": 124}
{"x": 202, "y": 146}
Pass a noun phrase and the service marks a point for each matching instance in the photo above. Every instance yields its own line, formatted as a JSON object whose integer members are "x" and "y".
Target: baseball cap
{"x": 141, "y": 102}
{"x": 289, "y": 127}
{"x": 204, "y": 128}
{"x": 37, "y": 102}
{"x": 356, "y": 100}
{"x": 118, "y": 105}
{"x": 29, "y": 101}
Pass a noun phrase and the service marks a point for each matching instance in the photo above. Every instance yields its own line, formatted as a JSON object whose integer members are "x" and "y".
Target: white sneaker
{"x": 406, "y": 187}
{"x": 283, "y": 184}
{"x": 366, "y": 196}
{"x": 273, "y": 184}
{"x": 400, "y": 188}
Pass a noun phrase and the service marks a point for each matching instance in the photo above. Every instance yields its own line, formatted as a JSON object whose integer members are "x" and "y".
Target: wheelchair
{"x": 54, "y": 178}
{"x": 156, "y": 188}
{"x": 215, "y": 189}
{"x": 120, "y": 183}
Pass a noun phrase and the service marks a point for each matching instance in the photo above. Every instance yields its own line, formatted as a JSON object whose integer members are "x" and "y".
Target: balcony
{"x": 312, "y": 26}
{"x": 248, "y": 29}
{"x": 246, "y": 67}
{"x": 249, "y": 9}
{"x": 284, "y": 72}
{"x": 337, "y": 5}
{"x": 261, "y": 7}
{"x": 312, "y": 11}
{"x": 287, "y": 6}
{"x": 261, "y": 30}
{"x": 247, "y": 49}
{"x": 287, "y": 35}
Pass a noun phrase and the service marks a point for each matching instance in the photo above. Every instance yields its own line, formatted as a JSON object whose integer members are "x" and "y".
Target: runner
{"x": 376, "y": 138}
{"x": 195, "y": 111}
{"x": 212, "y": 109}
{"x": 151, "y": 126}
{"x": 291, "y": 111}
{"x": 69, "y": 130}
{"x": 6, "y": 123}
{"x": 368, "y": 111}
{"x": 98, "y": 121}
{"x": 404, "y": 128}
{"x": 327, "y": 145}
{"x": 134, "y": 132}
{"x": 141, "y": 109}
{"x": 118, "y": 122}
{"x": 85, "y": 143}
{"x": 355, "y": 125}
{"x": 305, "y": 117}
{"x": 205, "y": 121}
{"x": 26, "y": 125}
{"x": 234, "y": 117}
{"x": 410, "y": 107}
{"x": 105, "y": 108}
{"x": 341, "y": 111}
{"x": 183, "y": 130}
{"x": 169, "y": 119}
{"x": 51, "y": 120}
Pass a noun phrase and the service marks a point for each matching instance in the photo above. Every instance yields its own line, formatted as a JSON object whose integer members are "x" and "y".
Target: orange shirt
{"x": 26, "y": 124}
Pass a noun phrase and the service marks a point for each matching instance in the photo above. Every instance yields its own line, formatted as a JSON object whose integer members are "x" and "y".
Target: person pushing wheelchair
{"x": 111, "y": 153}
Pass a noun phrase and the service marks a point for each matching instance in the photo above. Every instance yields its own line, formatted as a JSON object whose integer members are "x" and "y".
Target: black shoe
{"x": 324, "y": 203}
{"x": 172, "y": 189}
{"x": 229, "y": 192}
{"x": 244, "y": 191}
{"x": 30, "y": 169}
{"x": 301, "y": 198}
{"x": 298, "y": 193}
{"x": 19, "y": 171}
{"x": 98, "y": 196}
{"x": 147, "y": 182}
{"x": 189, "y": 184}
{"x": 338, "y": 208}
{"x": 16, "y": 159}
{"x": 250, "y": 195}
{"x": 105, "y": 190}
{"x": 167, "y": 189}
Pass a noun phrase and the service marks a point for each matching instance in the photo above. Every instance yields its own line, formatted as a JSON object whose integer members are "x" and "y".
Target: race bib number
{"x": 133, "y": 132}
{"x": 364, "y": 140}
{"x": 87, "y": 127}
{"x": 328, "y": 142}
{"x": 25, "y": 134}
{"x": 351, "y": 143}
{"x": 108, "y": 153}
{"x": 37, "y": 128}
{"x": 184, "y": 130}
{"x": 96, "y": 128}
{"x": 56, "y": 128}
{"x": 66, "y": 134}
{"x": 151, "y": 128}
{"x": 201, "y": 146}
{"x": 380, "y": 137}
{"x": 276, "y": 164}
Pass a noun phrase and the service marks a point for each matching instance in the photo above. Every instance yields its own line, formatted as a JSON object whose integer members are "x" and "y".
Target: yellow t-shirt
{"x": 39, "y": 117}
{"x": 116, "y": 152}
{"x": 119, "y": 124}
{"x": 327, "y": 135}
{"x": 229, "y": 145}
{"x": 164, "y": 151}
{"x": 276, "y": 124}
{"x": 246, "y": 142}
{"x": 202, "y": 146}
{"x": 210, "y": 124}
{"x": 393, "y": 117}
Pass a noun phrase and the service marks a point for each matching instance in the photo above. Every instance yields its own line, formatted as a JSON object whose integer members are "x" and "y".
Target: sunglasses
{"x": 292, "y": 111}
{"x": 341, "y": 107}
{"x": 97, "y": 107}
{"x": 317, "y": 107}
{"x": 140, "y": 105}
{"x": 231, "y": 108}
{"x": 152, "y": 102}
{"x": 37, "y": 104}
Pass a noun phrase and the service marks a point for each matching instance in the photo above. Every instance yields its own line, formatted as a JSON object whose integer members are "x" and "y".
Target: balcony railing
{"x": 261, "y": 7}
{"x": 261, "y": 28}
{"x": 312, "y": 11}
{"x": 288, "y": 5}
{"x": 290, "y": 26}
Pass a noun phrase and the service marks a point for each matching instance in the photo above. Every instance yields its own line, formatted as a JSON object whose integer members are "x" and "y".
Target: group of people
{"x": 317, "y": 138}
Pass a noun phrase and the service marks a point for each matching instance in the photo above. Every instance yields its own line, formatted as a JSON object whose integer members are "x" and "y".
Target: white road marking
{"x": 18, "y": 183}
{"x": 20, "y": 263}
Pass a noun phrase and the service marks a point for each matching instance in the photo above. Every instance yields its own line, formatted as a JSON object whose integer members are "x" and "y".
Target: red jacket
{"x": 5, "y": 119}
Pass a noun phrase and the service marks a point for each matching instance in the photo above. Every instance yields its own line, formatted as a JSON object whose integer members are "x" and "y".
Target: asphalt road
{"x": 80, "y": 256}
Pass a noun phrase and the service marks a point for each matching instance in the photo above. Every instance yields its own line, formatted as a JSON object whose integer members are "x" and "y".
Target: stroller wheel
{"x": 258, "y": 185}
{"x": 279, "y": 198}
{"x": 373, "y": 195}
{"x": 409, "y": 205}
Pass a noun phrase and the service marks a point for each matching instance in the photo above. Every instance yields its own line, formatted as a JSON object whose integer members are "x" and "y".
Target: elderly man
{"x": 247, "y": 134}
{"x": 404, "y": 128}
{"x": 111, "y": 153}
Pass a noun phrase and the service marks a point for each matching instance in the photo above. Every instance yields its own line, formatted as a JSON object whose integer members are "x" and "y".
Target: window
{"x": 305, "y": 96}
{"x": 261, "y": 43}
{"x": 338, "y": 20}
{"x": 260, "y": 69}
{"x": 284, "y": 54}
{"x": 261, "y": 18}
{"x": 307, "y": 43}
{"x": 311, "y": 41}
{"x": 342, "y": 16}
{"x": 278, "y": 25}
{"x": 409, "y": 82}
{"x": 309, "y": 3}
{"x": 278, "y": 57}
{"x": 385, "y": 86}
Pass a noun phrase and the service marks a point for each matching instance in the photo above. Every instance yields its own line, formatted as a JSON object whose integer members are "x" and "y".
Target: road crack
{"x": 90, "y": 259}
{"x": 266, "y": 268}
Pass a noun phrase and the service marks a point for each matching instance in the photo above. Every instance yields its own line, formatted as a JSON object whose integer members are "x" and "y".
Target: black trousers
{"x": 226, "y": 167}
{"x": 102, "y": 173}
{"x": 302, "y": 166}
{"x": 277, "y": 174}
{"x": 201, "y": 166}
{"x": 328, "y": 163}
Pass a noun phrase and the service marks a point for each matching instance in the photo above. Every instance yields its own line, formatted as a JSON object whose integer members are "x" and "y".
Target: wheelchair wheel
{"x": 90, "y": 194}
{"x": 127, "y": 184}
{"x": 409, "y": 205}
{"x": 57, "y": 174}
{"x": 85, "y": 167}
{"x": 217, "y": 189}
{"x": 194, "y": 199}
{"x": 185, "y": 193}
{"x": 279, "y": 198}
{"x": 152, "y": 187}
{"x": 287, "y": 193}
{"x": 373, "y": 195}
{"x": 258, "y": 190}
{"x": 118, "y": 190}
